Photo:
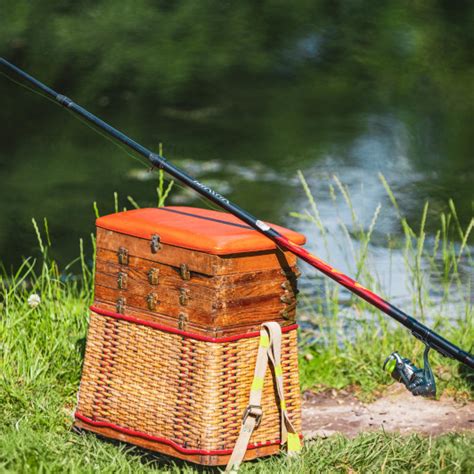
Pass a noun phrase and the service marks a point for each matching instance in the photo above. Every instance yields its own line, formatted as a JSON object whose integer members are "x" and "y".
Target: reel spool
{"x": 419, "y": 381}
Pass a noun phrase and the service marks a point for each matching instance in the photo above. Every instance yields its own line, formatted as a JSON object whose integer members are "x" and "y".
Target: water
{"x": 319, "y": 110}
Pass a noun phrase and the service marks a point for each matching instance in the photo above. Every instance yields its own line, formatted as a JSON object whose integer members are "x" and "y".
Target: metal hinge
{"x": 182, "y": 321}
{"x": 183, "y": 296}
{"x": 291, "y": 287}
{"x": 285, "y": 314}
{"x": 122, "y": 280}
{"x": 153, "y": 275}
{"x": 151, "y": 301}
{"x": 287, "y": 298}
{"x": 122, "y": 255}
{"x": 296, "y": 273}
{"x": 184, "y": 272}
{"x": 155, "y": 243}
{"x": 120, "y": 305}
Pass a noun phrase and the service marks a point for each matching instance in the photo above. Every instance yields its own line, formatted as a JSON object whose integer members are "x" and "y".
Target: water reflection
{"x": 327, "y": 89}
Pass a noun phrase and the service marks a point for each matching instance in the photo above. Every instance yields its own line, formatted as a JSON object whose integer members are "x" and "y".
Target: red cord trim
{"x": 199, "y": 337}
{"x": 181, "y": 449}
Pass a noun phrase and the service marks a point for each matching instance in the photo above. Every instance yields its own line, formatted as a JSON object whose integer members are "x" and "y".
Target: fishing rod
{"x": 418, "y": 381}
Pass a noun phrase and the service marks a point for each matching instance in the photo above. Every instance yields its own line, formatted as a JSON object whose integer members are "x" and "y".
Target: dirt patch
{"x": 327, "y": 413}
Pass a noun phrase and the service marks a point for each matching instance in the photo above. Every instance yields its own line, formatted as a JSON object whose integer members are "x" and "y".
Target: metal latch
{"x": 153, "y": 275}
{"x": 151, "y": 301}
{"x": 183, "y": 296}
{"x": 184, "y": 272}
{"x": 182, "y": 321}
{"x": 122, "y": 255}
{"x": 122, "y": 279}
{"x": 155, "y": 243}
{"x": 120, "y": 305}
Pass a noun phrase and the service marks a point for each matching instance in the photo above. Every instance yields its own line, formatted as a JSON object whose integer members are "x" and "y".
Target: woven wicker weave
{"x": 177, "y": 389}
{"x": 180, "y": 297}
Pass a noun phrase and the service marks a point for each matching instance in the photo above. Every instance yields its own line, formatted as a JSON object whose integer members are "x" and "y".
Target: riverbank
{"x": 42, "y": 345}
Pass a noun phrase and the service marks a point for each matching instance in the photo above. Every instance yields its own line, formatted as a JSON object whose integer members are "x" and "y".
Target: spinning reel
{"x": 417, "y": 381}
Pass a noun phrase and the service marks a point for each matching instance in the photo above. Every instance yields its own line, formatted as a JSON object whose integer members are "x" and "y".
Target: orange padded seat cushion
{"x": 208, "y": 231}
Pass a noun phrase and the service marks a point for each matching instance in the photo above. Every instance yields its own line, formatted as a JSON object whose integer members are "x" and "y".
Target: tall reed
{"x": 345, "y": 340}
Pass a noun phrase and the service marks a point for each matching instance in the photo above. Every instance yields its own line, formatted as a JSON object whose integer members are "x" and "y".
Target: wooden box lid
{"x": 207, "y": 231}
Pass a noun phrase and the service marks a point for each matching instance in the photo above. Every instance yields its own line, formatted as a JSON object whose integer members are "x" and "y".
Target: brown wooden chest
{"x": 180, "y": 295}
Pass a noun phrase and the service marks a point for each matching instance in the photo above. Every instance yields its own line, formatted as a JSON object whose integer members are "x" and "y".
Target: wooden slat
{"x": 197, "y": 261}
{"x": 202, "y": 312}
{"x": 219, "y": 290}
{"x": 206, "y": 460}
{"x": 214, "y": 331}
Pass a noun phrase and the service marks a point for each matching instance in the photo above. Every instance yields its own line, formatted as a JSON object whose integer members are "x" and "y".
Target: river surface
{"x": 411, "y": 124}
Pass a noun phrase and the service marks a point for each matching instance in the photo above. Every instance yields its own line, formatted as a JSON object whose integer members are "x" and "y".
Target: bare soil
{"x": 331, "y": 412}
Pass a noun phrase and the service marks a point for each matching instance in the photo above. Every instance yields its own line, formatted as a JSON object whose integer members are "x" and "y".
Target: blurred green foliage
{"x": 189, "y": 52}
{"x": 162, "y": 50}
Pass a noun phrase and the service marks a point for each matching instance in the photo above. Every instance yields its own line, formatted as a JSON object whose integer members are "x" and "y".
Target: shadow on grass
{"x": 156, "y": 460}
{"x": 81, "y": 346}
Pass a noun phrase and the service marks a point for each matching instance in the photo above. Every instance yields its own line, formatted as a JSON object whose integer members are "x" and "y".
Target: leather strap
{"x": 269, "y": 349}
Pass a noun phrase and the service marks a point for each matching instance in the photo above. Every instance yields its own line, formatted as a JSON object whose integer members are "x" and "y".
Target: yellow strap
{"x": 269, "y": 351}
{"x": 257, "y": 383}
{"x": 264, "y": 340}
{"x": 294, "y": 443}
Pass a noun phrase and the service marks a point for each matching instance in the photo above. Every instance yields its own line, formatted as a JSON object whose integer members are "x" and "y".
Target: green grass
{"x": 54, "y": 448}
{"x": 41, "y": 352}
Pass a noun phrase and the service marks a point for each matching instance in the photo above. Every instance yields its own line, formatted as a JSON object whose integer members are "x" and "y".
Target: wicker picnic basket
{"x": 175, "y": 336}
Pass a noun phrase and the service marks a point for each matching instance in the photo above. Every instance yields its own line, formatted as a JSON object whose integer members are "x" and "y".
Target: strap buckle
{"x": 254, "y": 411}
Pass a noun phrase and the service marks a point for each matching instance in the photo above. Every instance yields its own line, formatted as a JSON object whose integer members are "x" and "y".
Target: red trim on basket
{"x": 199, "y": 337}
{"x": 181, "y": 449}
